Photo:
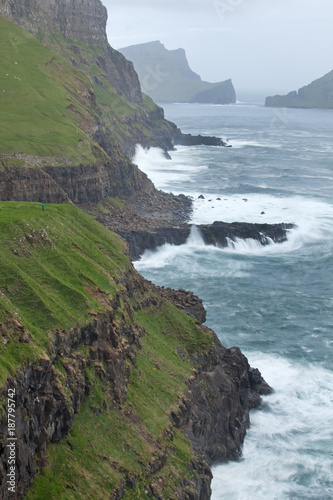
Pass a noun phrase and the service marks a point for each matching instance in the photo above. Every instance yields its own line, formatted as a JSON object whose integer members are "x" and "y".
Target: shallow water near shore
{"x": 274, "y": 302}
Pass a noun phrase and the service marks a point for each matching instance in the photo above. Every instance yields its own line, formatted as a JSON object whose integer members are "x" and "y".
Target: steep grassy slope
{"x": 46, "y": 105}
{"x": 53, "y": 263}
{"x": 50, "y": 120}
{"x": 60, "y": 270}
{"x": 131, "y": 119}
{"x": 76, "y": 31}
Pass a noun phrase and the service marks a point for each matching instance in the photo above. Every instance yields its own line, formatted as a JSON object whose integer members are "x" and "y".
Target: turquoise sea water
{"x": 274, "y": 302}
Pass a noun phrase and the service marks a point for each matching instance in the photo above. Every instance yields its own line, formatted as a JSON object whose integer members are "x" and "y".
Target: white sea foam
{"x": 243, "y": 143}
{"x": 312, "y": 216}
{"x": 162, "y": 171}
{"x": 296, "y": 418}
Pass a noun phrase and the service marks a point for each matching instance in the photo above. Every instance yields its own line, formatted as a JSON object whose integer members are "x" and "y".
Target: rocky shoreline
{"x": 218, "y": 234}
{"x": 149, "y": 222}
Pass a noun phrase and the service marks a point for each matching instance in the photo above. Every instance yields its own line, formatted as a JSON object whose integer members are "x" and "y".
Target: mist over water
{"x": 274, "y": 302}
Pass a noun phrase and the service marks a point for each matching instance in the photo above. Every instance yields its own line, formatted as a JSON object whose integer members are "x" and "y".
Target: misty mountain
{"x": 165, "y": 76}
{"x": 318, "y": 94}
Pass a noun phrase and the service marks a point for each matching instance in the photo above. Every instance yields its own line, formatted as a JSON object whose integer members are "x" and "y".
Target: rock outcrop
{"x": 318, "y": 94}
{"x": 181, "y": 139}
{"x": 185, "y": 300}
{"x": 166, "y": 76}
{"x": 218, "y": 234}
{"x": 213, "y": 412}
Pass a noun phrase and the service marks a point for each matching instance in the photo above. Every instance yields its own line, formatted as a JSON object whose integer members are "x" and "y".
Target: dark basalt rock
{"x": 217, "y": 234}
{"x": 186, "y": 301}
{"x": 214, "y": 414}
{"x": 181, "y": 139}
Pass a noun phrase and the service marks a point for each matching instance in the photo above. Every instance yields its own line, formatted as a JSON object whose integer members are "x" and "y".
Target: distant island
{"x": 165, "y": 76}
{"x": 318, "y": 94}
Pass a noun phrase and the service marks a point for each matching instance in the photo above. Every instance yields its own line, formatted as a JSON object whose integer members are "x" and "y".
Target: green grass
{"x": 104, "y": 446}
{"x": 52, "y": 263}
{"x": 43, "y": 103}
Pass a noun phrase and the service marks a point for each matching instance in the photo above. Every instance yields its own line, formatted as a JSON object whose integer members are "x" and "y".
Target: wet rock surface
{"x": 219, "y": 234}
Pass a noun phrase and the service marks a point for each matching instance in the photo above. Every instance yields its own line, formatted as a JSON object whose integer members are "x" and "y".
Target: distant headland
{"x": 318, "y": 94}
{"x": 165, "y": 76}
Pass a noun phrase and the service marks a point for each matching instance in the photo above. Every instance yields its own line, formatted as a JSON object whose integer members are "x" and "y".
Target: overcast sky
{"x": 272, "y": 46}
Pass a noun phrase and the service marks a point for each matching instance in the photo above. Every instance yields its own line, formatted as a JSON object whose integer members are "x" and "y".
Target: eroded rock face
{"x": 30, "y": 184}
{"x": 77, "y": 184}
{"x": 61, "y": 15}
{"x": 92, "y": 183}
{"x": 213, "y": 412}
{"x": 44, "y": 413}
{"x": 185, "y": 300}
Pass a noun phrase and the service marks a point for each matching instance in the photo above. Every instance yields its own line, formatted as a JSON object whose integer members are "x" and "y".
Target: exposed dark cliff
{"x": 166, "y": 76}
{"x": 318, "y": 94}
{"x": 213, "y": 412}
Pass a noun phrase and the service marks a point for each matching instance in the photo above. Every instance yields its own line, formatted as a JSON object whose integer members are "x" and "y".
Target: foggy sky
{"x": 270, "y": 46}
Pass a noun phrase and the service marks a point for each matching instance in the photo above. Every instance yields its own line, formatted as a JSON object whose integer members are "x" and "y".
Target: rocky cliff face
{"x": 44, "y": 412}
{"x": 117, "y": 391}
{"x": 82, "y": 21}
{"x": 103, "y": 103}
{"x": 80, "y": 184}
{"x": 60, "y": 15}
{"x": 213, "y": 412}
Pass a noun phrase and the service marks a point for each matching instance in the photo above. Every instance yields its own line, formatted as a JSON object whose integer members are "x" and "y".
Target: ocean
{"x": 273, "y": 302}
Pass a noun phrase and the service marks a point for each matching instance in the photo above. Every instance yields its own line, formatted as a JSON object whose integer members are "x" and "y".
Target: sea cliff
{"x": 118, "y": 389}
{"x": 165, "y": 75}
{"x": 318, "y": 94}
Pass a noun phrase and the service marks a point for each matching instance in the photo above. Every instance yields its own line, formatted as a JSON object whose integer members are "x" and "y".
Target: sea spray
{"x": 287, "y": 453}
